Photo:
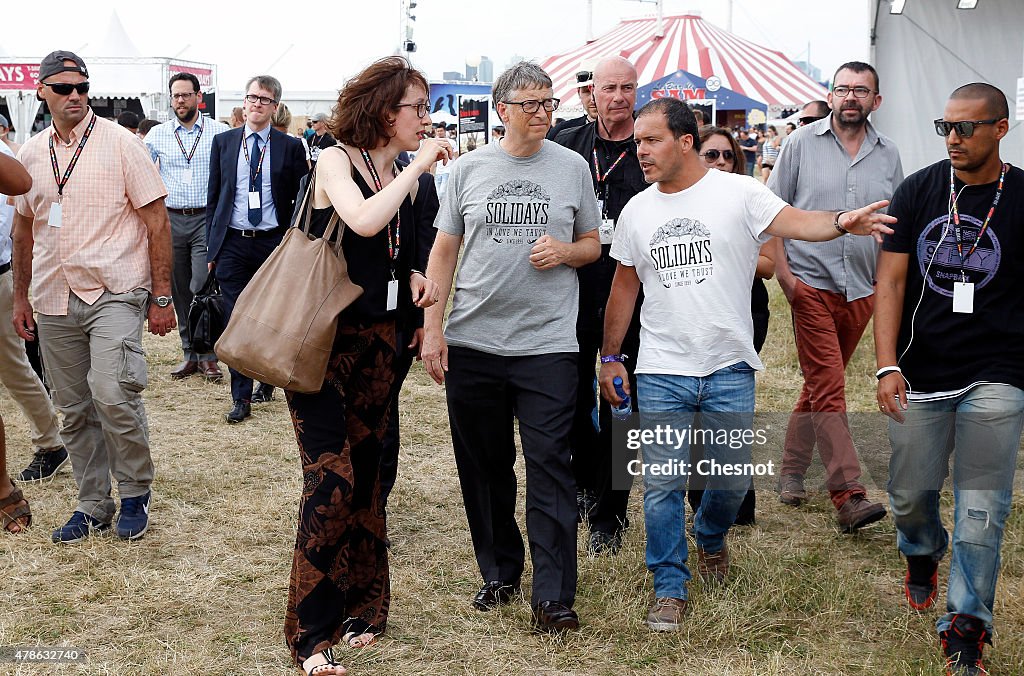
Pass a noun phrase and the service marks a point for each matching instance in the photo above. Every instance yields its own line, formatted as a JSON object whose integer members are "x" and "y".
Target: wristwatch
{"x": 160, "y": 301}
{"x": 608, "y": 358}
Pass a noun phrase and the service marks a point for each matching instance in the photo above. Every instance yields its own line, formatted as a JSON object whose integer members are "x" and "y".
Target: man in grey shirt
{"x": 835, "y": 163}
{"x": 526, "y": 209}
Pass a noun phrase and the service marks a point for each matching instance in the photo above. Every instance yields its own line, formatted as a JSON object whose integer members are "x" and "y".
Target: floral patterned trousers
{"x": 339, "y": 579}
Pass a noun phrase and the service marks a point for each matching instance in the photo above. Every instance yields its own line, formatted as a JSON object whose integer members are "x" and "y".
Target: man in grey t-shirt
{"x": 526, "y": 209}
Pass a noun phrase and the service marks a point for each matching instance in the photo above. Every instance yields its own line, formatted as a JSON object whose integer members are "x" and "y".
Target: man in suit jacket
{"x": 254, "y": 178}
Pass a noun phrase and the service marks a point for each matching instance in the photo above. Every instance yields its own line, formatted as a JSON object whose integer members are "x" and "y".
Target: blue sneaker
{"x": 133, "y": 521}
{"x": 78, "y": 527}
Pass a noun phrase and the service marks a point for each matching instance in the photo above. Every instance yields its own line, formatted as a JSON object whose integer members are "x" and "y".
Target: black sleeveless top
{"x": 368, "y": 260}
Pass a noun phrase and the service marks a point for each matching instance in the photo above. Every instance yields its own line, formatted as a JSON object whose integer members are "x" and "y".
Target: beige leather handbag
{"x": 283, "y": 325}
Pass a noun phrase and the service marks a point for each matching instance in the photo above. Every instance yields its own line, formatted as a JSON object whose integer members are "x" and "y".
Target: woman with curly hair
{"x": 339, "y": 588}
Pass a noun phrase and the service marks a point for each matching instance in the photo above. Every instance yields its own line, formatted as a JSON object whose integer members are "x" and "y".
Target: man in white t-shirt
{"x": 692, "y": 241}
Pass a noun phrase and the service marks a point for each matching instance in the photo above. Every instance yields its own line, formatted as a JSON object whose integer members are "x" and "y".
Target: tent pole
{"x": 590, "y": 21}
{"x": 660, "y": 33}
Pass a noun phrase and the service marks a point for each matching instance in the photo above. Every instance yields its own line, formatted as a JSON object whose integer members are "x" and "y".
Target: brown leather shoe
{"x": 666, "y": 614}
{"x": 184, "y": 370}
{"x": 791, "y": 490}
{"x": 713, "y": 567}
{"x": 858, "y": 512}
{"x": 211, "y": 372}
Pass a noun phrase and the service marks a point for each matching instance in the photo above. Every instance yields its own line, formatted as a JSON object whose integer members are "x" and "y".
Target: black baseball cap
{"x": 53, "y": 63}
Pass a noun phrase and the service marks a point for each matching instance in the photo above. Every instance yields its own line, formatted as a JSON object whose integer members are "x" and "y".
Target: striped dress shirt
{"x": 183, "y": 194}
{"x": 814, "y": 172}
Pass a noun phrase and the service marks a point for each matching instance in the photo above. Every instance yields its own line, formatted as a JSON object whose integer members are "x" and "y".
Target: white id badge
{"x": 606, "y": 230}
{"x": 254, "y": 200}
{"x": 392, "y": 295}
{"x": 56, "y": 215}
{"x": 963, "y": 297}
{"x": 186, "y": 176}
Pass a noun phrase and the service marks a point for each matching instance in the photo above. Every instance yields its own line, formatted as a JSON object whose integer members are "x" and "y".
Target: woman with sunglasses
{"x": 339, "y": 581}
{"x": 770, "y": 153}
{"x": 720, "y": 150}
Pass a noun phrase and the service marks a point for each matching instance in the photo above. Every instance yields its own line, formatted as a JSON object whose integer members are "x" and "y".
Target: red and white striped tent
{"x": 689, "y": 43}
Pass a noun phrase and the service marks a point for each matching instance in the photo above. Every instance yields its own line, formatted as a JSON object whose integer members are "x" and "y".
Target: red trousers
{"x": 827, "y": 328}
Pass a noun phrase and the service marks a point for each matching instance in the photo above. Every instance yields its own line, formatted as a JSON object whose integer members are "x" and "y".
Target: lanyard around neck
{"x": 393, "y": 246}
{"x": 188, "y": 155}
{"x": 984, "y": 227}
{"x": 61, "y": 182}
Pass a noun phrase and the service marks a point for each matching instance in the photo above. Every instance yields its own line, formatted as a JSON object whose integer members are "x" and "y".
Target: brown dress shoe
{"x": 210, "y": 371}
{"x": 666, "y": 614}
{"x": 713, "y": 567}
{"x": 185, "y": 369}
{"x": 791, "y": 490}
{"x": 858, "y": 512}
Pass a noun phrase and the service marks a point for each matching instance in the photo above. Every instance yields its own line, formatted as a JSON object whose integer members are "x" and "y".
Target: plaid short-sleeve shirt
{"x": 102, "y": 243}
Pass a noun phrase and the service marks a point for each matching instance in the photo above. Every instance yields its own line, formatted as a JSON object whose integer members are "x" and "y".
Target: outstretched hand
{"x": 867, "y": 221}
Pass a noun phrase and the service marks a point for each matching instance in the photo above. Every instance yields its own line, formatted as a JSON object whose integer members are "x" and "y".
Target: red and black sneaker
{"x": 962, "y": 644}
{"x": 922, "y": 581}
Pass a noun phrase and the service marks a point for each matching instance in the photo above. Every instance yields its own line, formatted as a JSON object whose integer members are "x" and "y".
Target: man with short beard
{"x": 836, "y": 163}
{"x": 182, "y": 148}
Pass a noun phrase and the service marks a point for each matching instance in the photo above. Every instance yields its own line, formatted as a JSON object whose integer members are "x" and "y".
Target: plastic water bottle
{"x": 623, "y": 410}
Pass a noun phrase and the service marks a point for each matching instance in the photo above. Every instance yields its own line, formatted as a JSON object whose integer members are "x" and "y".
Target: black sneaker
{"x": 962, "y": 644}
{"x": 44, "y": 465}
{"x": 605, "y": 543}
{"x": 921, "y": 584}
{"x": 585, "y": 503}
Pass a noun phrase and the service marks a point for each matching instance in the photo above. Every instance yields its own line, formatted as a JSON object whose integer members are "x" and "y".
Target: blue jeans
{"x": 729, "y": 390}
{"x": 982, "y": 429}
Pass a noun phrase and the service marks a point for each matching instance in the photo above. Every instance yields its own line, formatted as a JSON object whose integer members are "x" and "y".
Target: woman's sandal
{"x": 360, "y": 633}
{"x": 328, "y": 655}
{"x": 16, "y": 515}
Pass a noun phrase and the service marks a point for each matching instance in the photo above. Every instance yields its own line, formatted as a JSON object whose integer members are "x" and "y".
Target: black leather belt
{"x": 188, "y": 212}
{"x": 257, "y": 234}
{"x": 5, "y": 268}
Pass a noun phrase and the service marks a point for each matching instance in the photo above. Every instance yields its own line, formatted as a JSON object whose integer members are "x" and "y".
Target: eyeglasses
{"x": 532, "y": 106}
{"x": 809, "y": 119}
{"x": 421, "y": 108}
{"x": 859, "y": 92}
{"x": 964, "y": 128}
{"x": 262, "y": 100}
{"x": 183, "y": 97}
{"x": 712, "y": 155}
{"x": 65, "y": 89}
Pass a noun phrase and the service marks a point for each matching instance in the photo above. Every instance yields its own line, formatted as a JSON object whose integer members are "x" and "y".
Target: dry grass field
{"x": 204, "y": 591}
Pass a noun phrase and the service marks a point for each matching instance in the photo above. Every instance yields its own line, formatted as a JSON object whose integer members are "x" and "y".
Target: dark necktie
{"x": 256, "y": 169}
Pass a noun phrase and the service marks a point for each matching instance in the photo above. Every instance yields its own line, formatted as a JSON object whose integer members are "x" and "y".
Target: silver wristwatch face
{"x": 161, "y": 301}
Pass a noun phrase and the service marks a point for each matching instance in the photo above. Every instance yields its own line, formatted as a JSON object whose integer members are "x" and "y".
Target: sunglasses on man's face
{"x": 712, "y": 155}
{"x": 65, "y": 89}
{"x": 964, "y": 128}
{"x": 809, "y": 119}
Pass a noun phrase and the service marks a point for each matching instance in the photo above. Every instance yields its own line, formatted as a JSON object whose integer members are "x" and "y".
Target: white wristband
{"x": 886, "y": 370}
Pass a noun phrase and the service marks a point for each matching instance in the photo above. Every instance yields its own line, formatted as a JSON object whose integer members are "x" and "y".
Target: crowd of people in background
{"x": 613, "y": 259}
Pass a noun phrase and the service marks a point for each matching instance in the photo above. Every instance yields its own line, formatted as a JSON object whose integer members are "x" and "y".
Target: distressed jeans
{"x": 725, "y": 399}
{"x": 981, "y": 429}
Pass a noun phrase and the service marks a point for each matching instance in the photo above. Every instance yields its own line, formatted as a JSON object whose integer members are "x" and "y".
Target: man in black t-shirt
{"x": 320, "y": 139}
{"x": 949, "y": 342}
{"x": 749, "y": 145}
{"x": 617, "y": 176}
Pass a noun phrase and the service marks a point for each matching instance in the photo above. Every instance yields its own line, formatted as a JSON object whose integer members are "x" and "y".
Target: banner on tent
{"x": 19, "y": 75}
{"x": 473, "y": 116}
{"x": 204, "y": 75}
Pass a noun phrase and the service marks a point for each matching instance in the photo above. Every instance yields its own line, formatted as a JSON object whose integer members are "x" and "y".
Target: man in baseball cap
{"x": 55, "y": 62}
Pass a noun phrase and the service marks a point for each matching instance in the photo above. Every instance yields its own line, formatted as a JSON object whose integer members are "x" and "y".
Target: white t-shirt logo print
{"x": 681, "y": 252}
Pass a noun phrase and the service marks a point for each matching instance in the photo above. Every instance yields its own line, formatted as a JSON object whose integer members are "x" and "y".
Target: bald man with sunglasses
{"x": 949, "y": 344}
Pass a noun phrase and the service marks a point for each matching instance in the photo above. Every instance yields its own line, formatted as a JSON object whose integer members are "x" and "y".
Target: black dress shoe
{"x": 263, "y": 394}
{"x": 239, "y": 412}
{"x": 605, "y": 543}
{"x": 554, "y": 616}
{"x": 493, "y": 594}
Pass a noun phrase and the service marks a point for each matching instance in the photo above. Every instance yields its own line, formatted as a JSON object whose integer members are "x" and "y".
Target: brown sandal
{"x": 22, "y": 511}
